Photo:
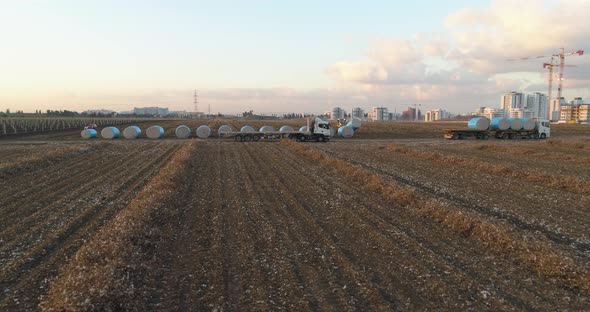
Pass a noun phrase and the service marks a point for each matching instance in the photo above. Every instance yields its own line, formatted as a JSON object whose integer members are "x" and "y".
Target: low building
{"x": 151, "y": 111}
{"x": 103, "y": 112}
{"x": 575, "y": 113}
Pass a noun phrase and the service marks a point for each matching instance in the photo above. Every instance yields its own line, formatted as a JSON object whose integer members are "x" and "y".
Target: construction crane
{"x": 550, "y": 66}
{"x": 562, "y": 54}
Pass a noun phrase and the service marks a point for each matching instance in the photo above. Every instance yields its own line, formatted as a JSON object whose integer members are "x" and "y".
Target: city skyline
{"x": 289, "y": 57}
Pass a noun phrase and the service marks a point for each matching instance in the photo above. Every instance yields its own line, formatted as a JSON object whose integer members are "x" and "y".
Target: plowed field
{"x": 215, "y": 225}
{"x": 49, "y": 207}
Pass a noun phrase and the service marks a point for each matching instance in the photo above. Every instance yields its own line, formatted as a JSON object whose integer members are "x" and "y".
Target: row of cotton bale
{"x": 501, "y": 123}
{"x": 133, "y": 132}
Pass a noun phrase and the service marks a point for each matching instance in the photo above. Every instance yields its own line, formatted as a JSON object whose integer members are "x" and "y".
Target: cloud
{"x": 360, "y": 72}
{"x": 466, "y": 62}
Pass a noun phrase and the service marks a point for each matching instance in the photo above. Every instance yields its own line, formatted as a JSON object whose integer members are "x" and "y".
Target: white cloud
{"x": 467, "y": 62}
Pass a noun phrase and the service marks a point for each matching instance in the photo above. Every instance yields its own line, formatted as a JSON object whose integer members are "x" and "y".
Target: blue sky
{"x": 262, "y": 55}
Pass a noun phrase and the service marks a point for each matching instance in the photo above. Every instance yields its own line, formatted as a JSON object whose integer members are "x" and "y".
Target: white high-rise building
{"x": 337, "y": 113}
{"x": 379, "y": 114}
{"x": 436, "y": 114}
{"x": 512, "y": 100}
{"x": 358, "y": 113}
{"x": 536, "y": 104}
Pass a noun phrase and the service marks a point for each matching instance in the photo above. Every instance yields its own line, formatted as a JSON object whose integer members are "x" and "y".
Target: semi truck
{"x": 318, "y": 130}
{"x": 542, "y": 130}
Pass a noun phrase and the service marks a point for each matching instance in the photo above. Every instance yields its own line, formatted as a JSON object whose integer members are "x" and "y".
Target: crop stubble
{"x": 50, "y": 210}
{"x": 254, "y": 226}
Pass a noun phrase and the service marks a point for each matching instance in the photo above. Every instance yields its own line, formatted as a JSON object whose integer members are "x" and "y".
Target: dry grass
{"x": 516, "y": 150}
{"x": 42, "y": 155}
{"x": 538, "y": 255}
{"x": 112, "y": 268}
{"x": 575, "y": 145}
{"x": 568, "y": 183}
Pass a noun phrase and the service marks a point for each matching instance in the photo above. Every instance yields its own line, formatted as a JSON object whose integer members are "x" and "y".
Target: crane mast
{"x": 552, "y": 107}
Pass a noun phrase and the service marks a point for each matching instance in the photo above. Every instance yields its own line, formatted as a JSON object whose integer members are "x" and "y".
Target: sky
{"x": 284, "y": 56}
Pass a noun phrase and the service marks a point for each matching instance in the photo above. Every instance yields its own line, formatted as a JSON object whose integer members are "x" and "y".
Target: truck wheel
{"x": 455, "y": 136}
{"x": 255, "y": 138}
{"x": 543, "y": 136}
{"x": 485, "y": 137}
{"x": 247, "y": 138}
{"x": 512, "y": 136}
{"x": 320, "y": 139}
{"x": 238, "y": 138}
{"x": 504, "y": 136}
{"x": 302, "y": 138}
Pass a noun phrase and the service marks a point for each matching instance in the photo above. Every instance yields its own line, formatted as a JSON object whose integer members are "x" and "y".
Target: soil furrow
{"x": 582, "y": 247}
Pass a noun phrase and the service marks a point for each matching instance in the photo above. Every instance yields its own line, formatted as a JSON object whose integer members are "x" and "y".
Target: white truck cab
{"x": 543, "y": 128}
{"x": 319, "y": 126}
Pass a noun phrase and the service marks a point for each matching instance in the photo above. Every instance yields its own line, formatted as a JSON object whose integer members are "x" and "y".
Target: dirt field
{"x": 217, "y": 225}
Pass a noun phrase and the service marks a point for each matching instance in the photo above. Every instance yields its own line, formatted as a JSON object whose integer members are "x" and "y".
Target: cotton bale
{"x": 354, "y": 123}
{"x": 132, "y": 132}
{"x": 500, "y": 123}
{"x": 303, "y": 129}
{"x": 110, "y": 133}
{"x": 182, "y": 132}
{"x": 478, "y": 123}
{"x": 286, "y": 129}
{"x": 88, "y": 134}
{"x": 225, "y": 129}
{"x": 247, "y": 129}
{"x": 266, "y": 129}
{"x": 154, "y": 132}
{"x": 345, "y": 132}
{"x": 515, "y": 123}
{"x": 528, "y": 124}
{"x": 203, "y": 132}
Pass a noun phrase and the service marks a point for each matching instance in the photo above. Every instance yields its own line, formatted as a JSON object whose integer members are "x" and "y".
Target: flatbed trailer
{"x": 257, "y": 136}
{"x": 498, "y": 134}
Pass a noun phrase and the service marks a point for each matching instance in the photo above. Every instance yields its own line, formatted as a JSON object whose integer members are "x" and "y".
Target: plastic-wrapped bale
{"x": 354, "y": 123}
{"x": 286, "y": 129}
{"x": 132, "y": 132}
{"x": 203, "y": 132}
{"x": 515, "y": 123}
{"x": 528, "y": 123}
{"x": 500, "y": 123}
{"x": 247, "y": 129}
{"x": 154, "y": 132}
{"x": 345, "y": 132}
{"x": 182, "y": 132}
{"x": 110, "y": 133}
{"x": 478, "y": 123}
{"x": 88, "y": 134}
{"x": 303, "y": 129}
{"x": 266, "y": 129}
{"x": 224, "y": 129}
